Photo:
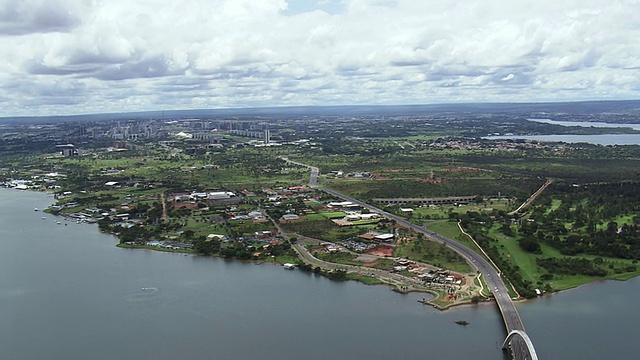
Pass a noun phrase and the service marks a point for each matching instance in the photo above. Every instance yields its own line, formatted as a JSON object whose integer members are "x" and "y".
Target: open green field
{"x": 510, "y": 249}
{"x": 530, "y": 271}
{"x": 324, "y": 230}
{"x": 451, "y": 230}
{"x": 333, "y": 215}
{"x": 315, "y": 217}
{"x": 443, "y": 211}
{"x": 433, "y": 253}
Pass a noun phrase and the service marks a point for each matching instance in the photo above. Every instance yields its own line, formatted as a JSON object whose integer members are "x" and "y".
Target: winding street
{"x": 401, "y": 282}
{"x": 385, "y": 276}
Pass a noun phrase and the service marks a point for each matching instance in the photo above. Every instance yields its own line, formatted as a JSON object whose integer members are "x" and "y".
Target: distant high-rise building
{"x": 68, "y": 150}
{"x": 267, "y": 136}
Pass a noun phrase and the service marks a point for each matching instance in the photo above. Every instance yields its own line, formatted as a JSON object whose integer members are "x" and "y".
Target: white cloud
{"x": 19, "y": 17}
{"x": 509, "y": 77}
{"x": 75, "y": 56}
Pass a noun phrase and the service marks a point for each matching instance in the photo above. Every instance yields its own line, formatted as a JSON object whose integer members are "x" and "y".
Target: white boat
{"x": 35, "y": 209}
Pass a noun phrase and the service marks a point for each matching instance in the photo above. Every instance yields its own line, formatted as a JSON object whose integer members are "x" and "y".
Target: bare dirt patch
{"x": 371, "y": 265}
{"x": 381, "y": 250}
{"x": 431, "y": 181}
{"x": 366, "y": 258}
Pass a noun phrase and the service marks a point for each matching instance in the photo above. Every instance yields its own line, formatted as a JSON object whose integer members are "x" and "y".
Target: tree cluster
{"x": 584, "y": 221}
{"x": 571, "y": 266}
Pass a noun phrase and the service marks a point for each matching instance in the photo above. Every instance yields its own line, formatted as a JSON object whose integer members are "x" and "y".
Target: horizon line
{"x": 278, "y": 107}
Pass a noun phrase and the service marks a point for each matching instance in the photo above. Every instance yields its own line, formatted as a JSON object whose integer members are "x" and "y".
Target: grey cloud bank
{"x": 89, "y": 56}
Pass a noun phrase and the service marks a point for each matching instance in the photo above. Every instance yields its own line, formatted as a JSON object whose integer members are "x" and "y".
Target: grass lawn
{"x": 334, "y": 215}
{"x": 624, "y": 219}
{"x": 384, "y": 264}
{"x": 451, "y": 230}
{"x": 433, "y": 253}
{"x": 442, "y": 211}
{"x": 509, "y": 248}
{"x": 339, "y": 258}
{"x": 313, "y": 217}
{"x": 200, "y": 228}
{"x": 367, "y": 280}
{"x": 156, "y": 248}
{"x": 480, "y": 281}
{"x": 555, "y": 203}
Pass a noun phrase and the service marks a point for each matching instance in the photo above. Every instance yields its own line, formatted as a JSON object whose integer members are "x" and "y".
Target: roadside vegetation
{"x": 149, "y": 192}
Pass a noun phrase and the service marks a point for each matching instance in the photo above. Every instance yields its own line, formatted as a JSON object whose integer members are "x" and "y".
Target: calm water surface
{"x": 604, "y": 139}
{"x": 587, "y": 124}
{"x": 66, "y": 292}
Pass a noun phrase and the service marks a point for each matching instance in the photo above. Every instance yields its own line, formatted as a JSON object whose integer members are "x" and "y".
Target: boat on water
{"x": 36, "y": 209}
{"x": 44, "y": 218}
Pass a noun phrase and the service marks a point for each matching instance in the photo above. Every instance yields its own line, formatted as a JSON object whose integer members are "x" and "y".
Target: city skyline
{"x": 66, "y": 57}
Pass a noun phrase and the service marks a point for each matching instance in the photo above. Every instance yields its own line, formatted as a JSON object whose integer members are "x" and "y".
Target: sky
{"x": 64, "y": 57}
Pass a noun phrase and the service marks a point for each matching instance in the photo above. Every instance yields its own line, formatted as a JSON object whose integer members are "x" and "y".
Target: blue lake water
{"x": 587, "y": 124}
{"x": 604, "y": 139}
{"x": 66, "y": 292}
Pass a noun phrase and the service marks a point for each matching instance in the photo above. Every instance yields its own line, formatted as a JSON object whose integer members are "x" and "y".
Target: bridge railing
{"x": 525, "y": 338}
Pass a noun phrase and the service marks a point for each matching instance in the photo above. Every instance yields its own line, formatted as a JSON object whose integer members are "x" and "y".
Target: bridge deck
{"x": 515, "y": 329}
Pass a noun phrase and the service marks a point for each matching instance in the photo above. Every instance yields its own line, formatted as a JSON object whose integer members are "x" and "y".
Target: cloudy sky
{"x": 94, "y": 56}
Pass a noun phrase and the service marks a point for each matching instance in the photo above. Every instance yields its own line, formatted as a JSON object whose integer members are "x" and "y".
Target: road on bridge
{"x": 492, "y": 276}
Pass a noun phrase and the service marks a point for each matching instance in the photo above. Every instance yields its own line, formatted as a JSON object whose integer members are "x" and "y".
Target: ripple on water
{"x": 143, "y": 295}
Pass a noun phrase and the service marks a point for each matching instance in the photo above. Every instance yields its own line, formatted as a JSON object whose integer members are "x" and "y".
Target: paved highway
{"x": 491, "y": 275}
{"x": 313, "y": 179}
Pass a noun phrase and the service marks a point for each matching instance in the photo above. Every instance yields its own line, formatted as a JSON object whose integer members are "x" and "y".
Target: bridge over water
{"x": 517, "y": 341}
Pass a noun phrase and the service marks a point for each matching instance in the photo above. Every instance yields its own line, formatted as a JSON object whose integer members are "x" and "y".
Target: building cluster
{"x": 427, "y": 273}
{"x": 133, "y": 131}
{"x": 426, "y": 201}
{"x": 195, "y": 200}
{"x": 35, "y": 182}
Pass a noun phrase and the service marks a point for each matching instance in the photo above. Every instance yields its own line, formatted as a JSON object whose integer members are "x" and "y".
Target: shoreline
{"x": 391, "y": 286}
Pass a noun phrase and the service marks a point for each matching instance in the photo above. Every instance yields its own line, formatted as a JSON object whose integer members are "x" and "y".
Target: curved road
{"x": 385, "y": 276}
{"x": 510, "y": 314}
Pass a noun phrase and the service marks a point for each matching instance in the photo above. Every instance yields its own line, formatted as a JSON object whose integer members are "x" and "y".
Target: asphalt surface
{"x": 492, "y": 277}
{"x": 510, "y": 315}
